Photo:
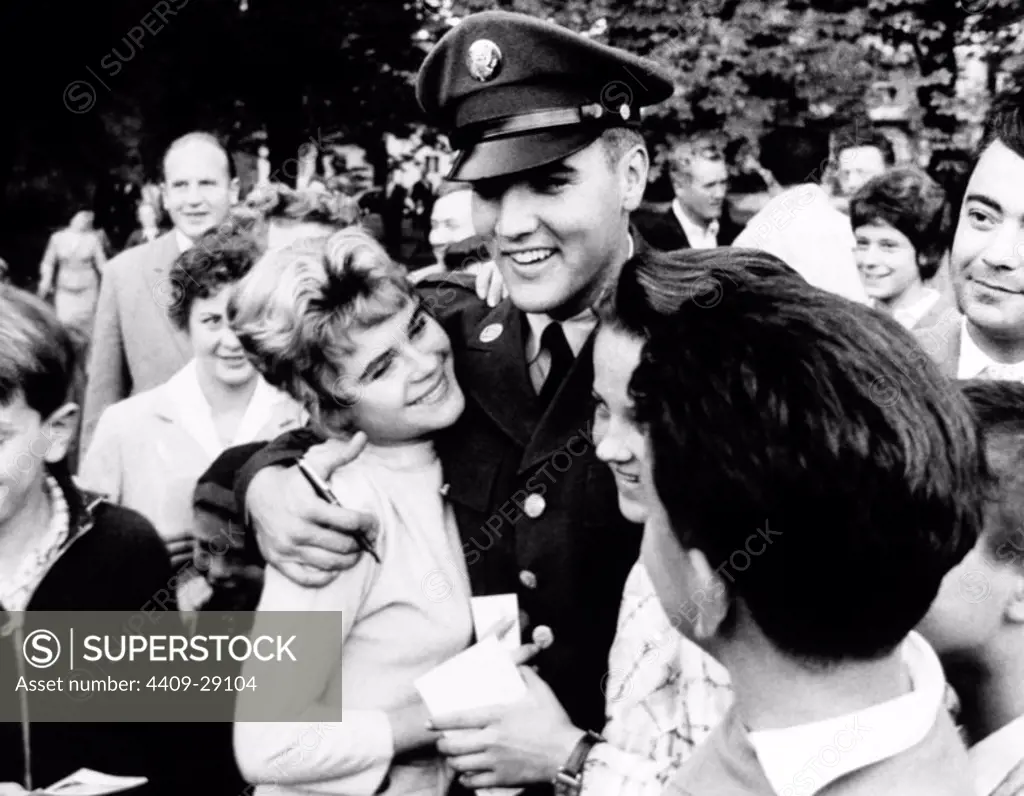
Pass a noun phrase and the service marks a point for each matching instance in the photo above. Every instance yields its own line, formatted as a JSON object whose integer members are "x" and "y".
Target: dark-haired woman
{"x": 149, "y": 450}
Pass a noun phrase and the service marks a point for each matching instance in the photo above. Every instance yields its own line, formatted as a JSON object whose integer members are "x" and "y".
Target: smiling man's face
{"x": 987, "y": 259}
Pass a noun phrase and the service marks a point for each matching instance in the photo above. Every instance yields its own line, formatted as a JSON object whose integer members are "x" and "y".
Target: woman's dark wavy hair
{"x": 221, "y": 257}
{"x": 908, "y": 199}
{"x": 780, "y": 406}
{"x": 654, "y": 284}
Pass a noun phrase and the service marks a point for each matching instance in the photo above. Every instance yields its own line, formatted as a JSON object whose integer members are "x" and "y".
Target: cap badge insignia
{"x": 483, "y": 60}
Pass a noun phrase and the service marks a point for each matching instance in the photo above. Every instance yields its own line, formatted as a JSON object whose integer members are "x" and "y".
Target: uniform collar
{"x": 863, "y": 738}
{"x": 994, "y": 757}
{"x": 577, "y": 328}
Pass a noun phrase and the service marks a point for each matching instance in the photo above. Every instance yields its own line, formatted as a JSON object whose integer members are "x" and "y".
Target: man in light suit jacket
{"x": 987, "y": 261}
{"x": 134, "y": 345}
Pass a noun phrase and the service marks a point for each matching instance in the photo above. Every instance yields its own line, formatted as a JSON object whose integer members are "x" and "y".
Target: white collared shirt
{"x": 910, "y": 315}
{"x": 184, "y": 241}
{"x": 993, "y": 758}
{"x": 698, "y": 236}
{"x": 196, "y": 416}
{"x": 866, "y": 737}
{"x": 973, "y": 363}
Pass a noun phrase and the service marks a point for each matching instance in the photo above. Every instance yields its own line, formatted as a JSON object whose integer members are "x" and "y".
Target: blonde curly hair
{"x": 294, "y": 312}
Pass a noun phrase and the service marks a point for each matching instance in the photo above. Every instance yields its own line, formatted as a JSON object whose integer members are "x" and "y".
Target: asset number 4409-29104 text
{"x": 204, "y": 683}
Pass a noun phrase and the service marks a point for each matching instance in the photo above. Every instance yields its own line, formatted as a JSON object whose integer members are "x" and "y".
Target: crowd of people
{"x": 755, "y": 489}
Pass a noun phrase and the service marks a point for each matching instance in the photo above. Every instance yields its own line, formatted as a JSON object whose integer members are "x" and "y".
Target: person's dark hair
{"x": 281, "y": 203}
{"x": 206, "y": 138}
{"x": 38, "y": 353}
{"x": 795, "y": 155}
{"x": 653, "y": 284}
{"x": 219, "y": 258}
{"x": 909, "y": 200}
{"x": 1005, "y": 122}
{"x": 788, "y": 409}
{"x": 998, "y": 407}
{"x": 863, "y": 136}
{"x": 951, "y": 169}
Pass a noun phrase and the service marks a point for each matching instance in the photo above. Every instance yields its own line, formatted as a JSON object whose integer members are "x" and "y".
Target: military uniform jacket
{"x": 537, "y": 512}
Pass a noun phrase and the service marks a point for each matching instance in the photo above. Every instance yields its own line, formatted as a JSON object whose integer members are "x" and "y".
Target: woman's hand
{"x": 309, "y": 540}
{"x": 516, "y": 744}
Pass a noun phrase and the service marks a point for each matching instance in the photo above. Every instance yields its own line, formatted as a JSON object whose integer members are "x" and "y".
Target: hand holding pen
{"x": 324, "y": 492}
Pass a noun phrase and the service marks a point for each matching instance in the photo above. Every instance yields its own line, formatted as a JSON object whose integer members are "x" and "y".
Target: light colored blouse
{"x": 396, "y": 624}
{"x": 149, "y": 450}
{"x": 664, "y": 696}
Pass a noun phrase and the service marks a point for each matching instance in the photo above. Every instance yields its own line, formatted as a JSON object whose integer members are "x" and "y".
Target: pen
{"x": 325, "y": 493}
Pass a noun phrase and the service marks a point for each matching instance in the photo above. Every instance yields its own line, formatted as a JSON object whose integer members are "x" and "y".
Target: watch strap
{"x": 569, "y": 778}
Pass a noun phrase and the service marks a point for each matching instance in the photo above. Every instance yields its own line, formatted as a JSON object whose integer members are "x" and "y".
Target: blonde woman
{"x": 334, "y": 322}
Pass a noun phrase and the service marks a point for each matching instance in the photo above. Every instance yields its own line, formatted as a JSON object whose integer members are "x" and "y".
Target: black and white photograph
{"x": 519, "y": 397}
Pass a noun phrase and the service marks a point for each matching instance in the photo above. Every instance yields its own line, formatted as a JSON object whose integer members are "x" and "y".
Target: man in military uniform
{"x": 546, "y": 123}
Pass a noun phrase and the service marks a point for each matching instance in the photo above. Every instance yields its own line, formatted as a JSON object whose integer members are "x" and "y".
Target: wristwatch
{"x": 569, "y": 778}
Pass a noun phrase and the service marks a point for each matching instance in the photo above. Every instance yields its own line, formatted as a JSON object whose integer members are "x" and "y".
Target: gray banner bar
{"x": 158, "y": 666}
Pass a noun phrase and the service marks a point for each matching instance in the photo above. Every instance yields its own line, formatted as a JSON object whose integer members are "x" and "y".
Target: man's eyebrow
{"x": 985, "y": 200}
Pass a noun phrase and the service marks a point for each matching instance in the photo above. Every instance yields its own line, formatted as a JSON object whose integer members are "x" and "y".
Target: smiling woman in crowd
{"x": 337, "y": 324}
{"x": 149, "y": 450}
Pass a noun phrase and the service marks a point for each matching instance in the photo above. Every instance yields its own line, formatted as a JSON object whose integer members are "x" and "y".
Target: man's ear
{"x": 59, "y": 431}
{"x": 713, "y": 597}
{"x": 634, "y": 168}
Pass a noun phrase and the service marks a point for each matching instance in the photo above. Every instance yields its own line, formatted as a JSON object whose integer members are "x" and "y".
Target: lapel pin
{"x": 491, "y": 333}
{"x": 444, "y": 489}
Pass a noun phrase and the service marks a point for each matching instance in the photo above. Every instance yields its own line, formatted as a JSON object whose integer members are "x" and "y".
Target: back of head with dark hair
{"x": 788, "y": 408}
{"x": 906, "y": 198}
{"x": 795, "y": 155}
{"x": 221, "y": 257}
{"x": 998, "y": 407}
{"x": 860, "y": 135}
{"x": 1005, "y": 122}
{"x": 654, "y": 284}
{"x": 37, "y": 353}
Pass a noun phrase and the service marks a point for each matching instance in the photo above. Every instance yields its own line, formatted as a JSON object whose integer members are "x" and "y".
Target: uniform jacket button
{"x": 534, "y": 506}
{"x": 543, "y": 636}
{"x": 528, "y": 579}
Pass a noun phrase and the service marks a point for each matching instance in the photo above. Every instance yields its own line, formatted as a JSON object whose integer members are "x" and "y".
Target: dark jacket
{"x": 537, "y": 512}
{"x": 113, "y": 560}
{"x": 662, "y": 230}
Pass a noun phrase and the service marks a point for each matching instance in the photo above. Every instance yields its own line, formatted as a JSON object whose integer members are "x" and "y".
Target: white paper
{"x": 86, "y": 782}
{"x": 494, "y": 611}
{"x": 482, "y": 676}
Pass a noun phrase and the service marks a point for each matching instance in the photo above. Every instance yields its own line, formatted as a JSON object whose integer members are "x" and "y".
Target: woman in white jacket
{"x": 336, "y": 323}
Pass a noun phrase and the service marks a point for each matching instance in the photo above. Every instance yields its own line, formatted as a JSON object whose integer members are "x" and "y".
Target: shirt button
{"x": 528, "y": 579}
{"x": 534, "y": 506}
